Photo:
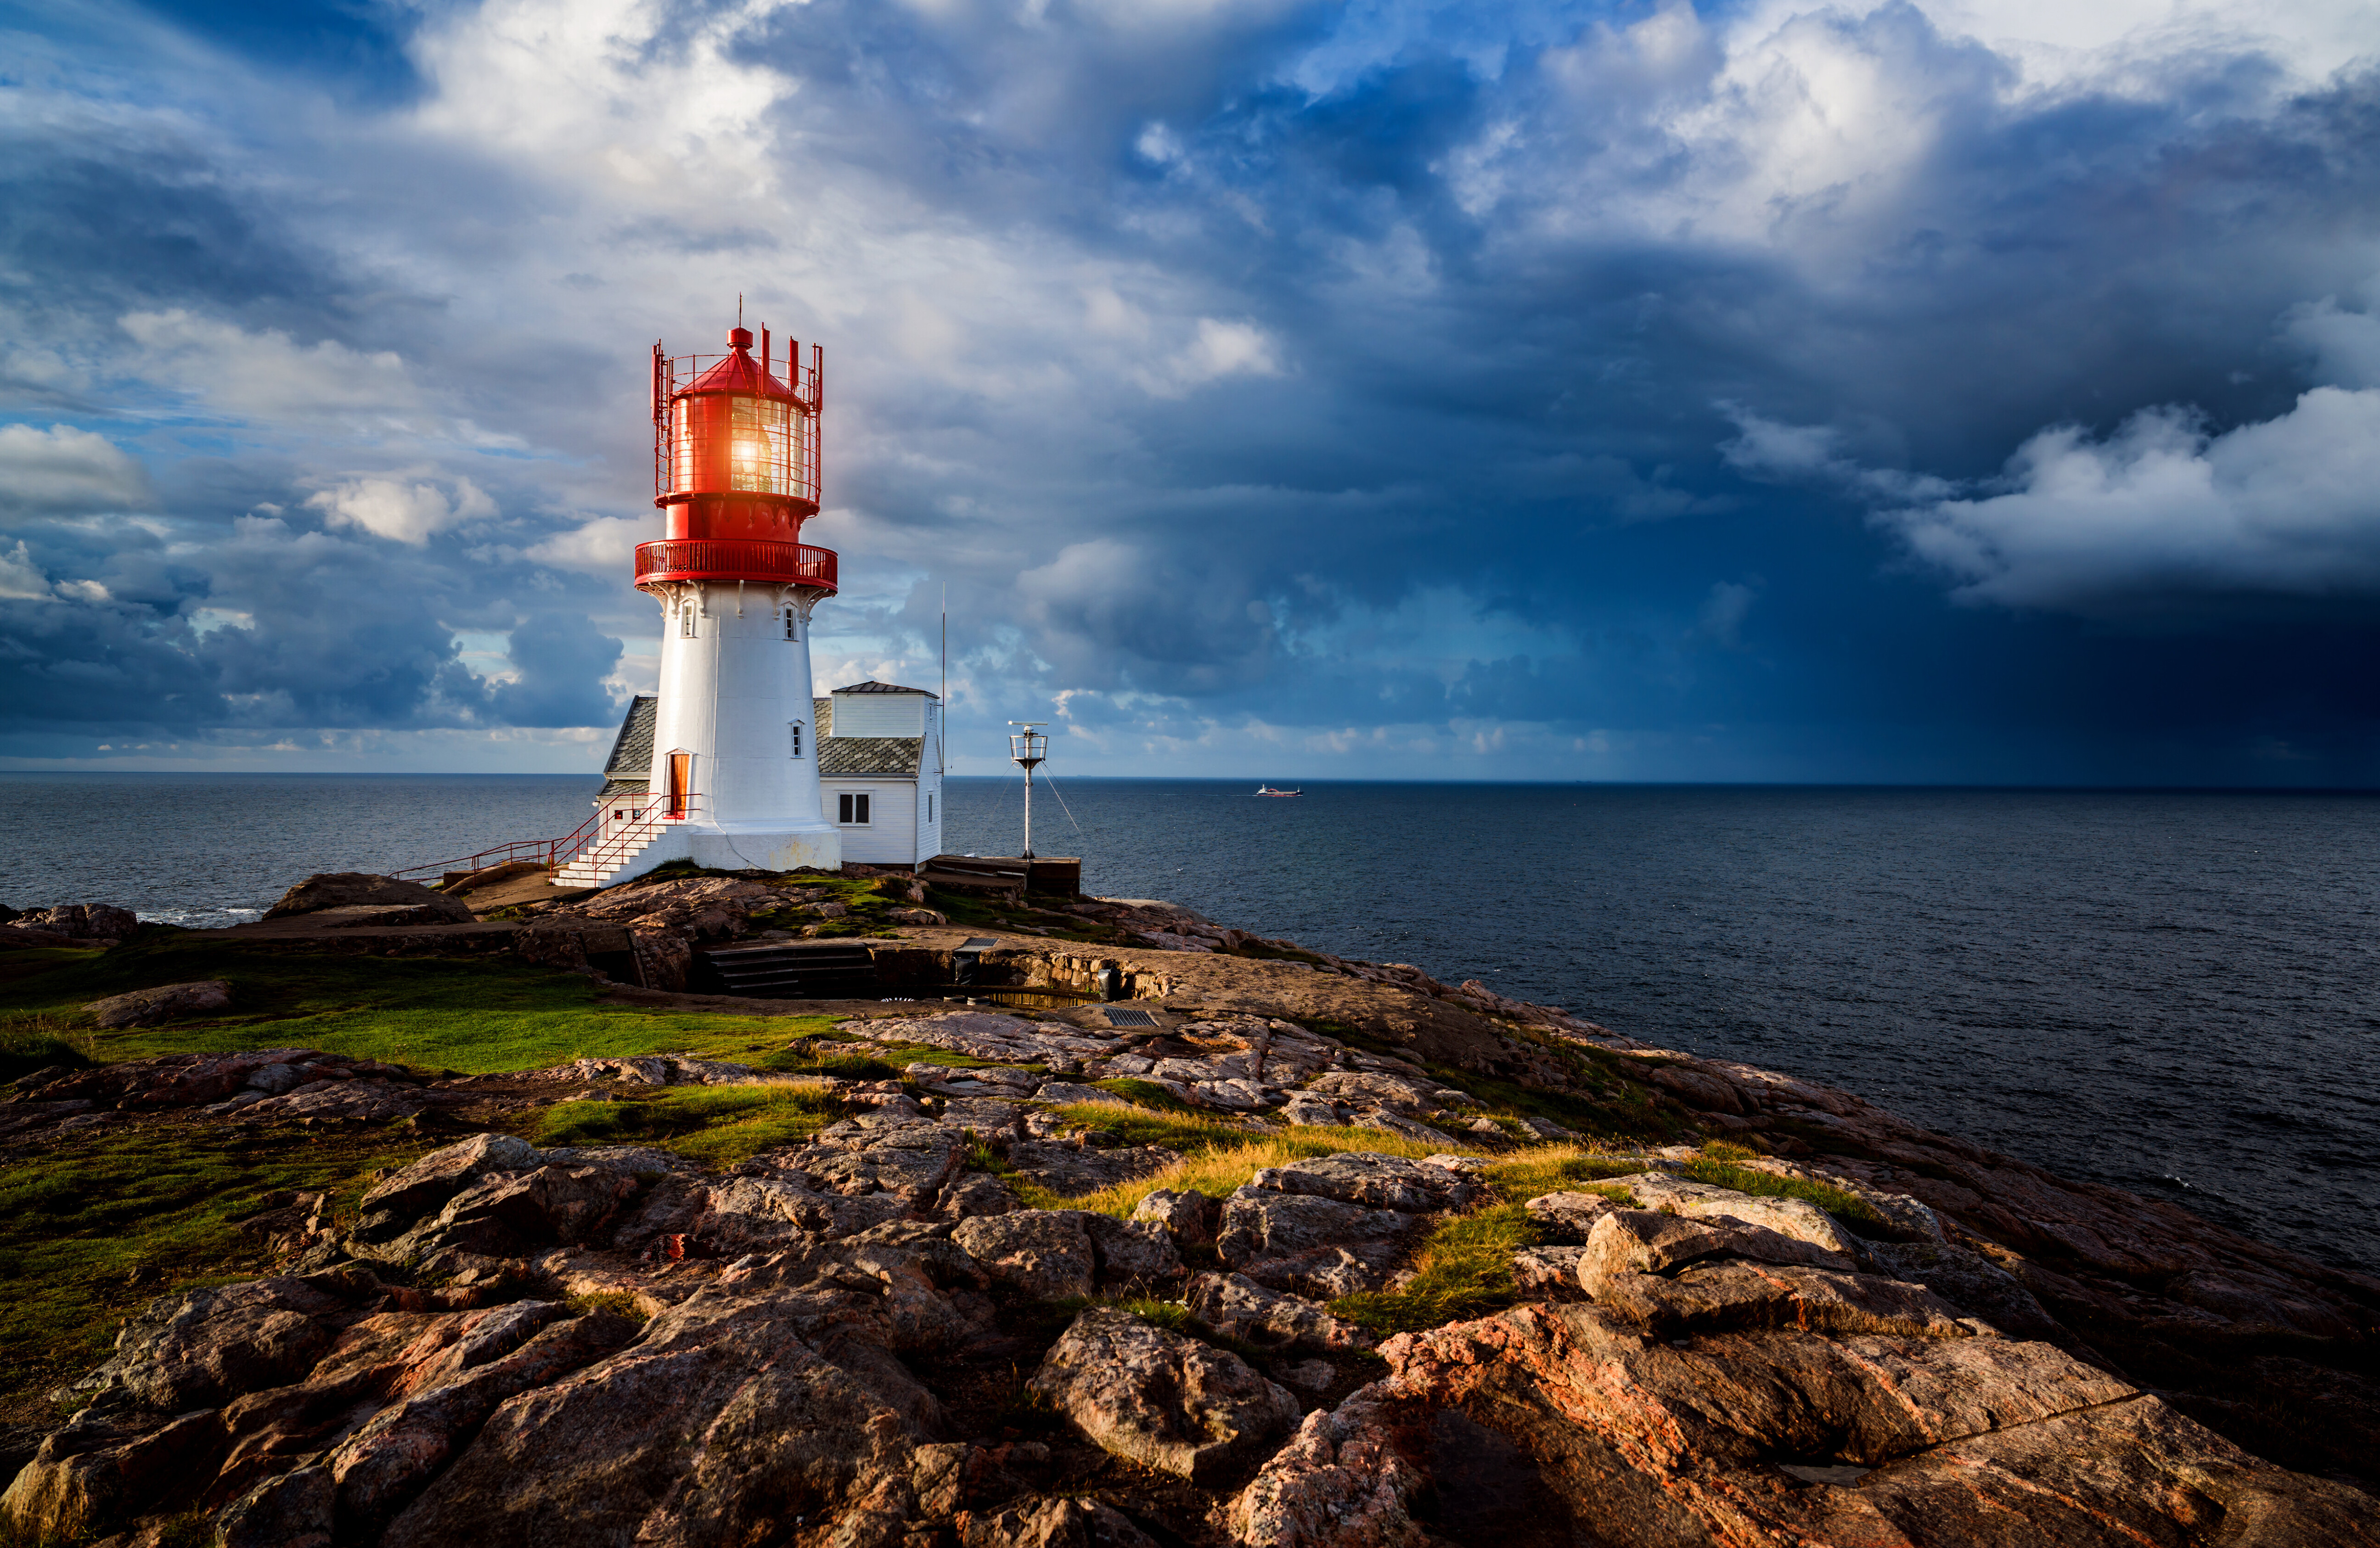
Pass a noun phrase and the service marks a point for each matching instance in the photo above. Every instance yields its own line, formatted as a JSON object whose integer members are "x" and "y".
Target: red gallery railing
{"x": 756, "y": 560}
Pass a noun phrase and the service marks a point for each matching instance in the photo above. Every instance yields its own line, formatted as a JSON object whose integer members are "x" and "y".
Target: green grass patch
{"x": 813, "y": 1057}
{"x": 98, "y": 1226}
{"x": 716, "y": 1126}
{"x": 981, "y": 1157}
{"x": 477, "y": 1016}
{"x": 618, "y": 1303}
{"x": 973, "y": 911}
{"x": 1838, "y": 1201}
{"x": 1146, "y": 1094}
{"x": 35, "y": 1040}
{"x": 1216, "y": 1156}
{"x": 1464, "y": 1271}
{"x": 1559, "y": 1168}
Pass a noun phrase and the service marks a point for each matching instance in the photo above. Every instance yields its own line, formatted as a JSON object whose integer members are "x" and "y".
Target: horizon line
{"x": 2114, "y": 787}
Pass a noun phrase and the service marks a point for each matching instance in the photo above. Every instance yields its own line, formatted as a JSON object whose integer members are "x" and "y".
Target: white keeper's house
{"x": 877, "y": 748}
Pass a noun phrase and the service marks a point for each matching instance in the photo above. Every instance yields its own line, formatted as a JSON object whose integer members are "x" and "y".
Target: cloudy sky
{"x": 1977, "y": 392}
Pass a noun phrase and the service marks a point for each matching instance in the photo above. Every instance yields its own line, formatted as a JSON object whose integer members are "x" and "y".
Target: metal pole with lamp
{"x": 1028, "y": 748}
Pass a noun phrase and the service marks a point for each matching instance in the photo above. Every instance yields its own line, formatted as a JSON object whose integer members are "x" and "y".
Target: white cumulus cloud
{"x": 64, "y": 471}
{"x": 605, "y": 547}
{"x": 20, "y": 578}
{"x": 1219, "y": 349}
{"x": 2164, "y": 505}
{"x": 268, "y": 375}
{"x": 403, "y": 512}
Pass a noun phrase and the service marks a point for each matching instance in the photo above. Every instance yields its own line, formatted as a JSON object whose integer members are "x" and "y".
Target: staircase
{"x": 794, "y": 969}
{"x": 605, "y": 858}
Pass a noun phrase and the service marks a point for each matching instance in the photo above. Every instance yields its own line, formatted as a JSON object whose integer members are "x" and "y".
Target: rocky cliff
{"x": 1330, "y": 1253}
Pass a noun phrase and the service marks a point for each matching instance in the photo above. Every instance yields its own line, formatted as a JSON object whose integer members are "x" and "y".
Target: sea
{"x": 2173, "y": 992}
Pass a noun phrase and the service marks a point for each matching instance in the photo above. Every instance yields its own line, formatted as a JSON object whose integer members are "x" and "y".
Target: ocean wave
{"x": 199, "y": 918}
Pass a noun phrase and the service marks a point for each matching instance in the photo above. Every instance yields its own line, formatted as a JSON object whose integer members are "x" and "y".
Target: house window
{"x": 797, "y": 738}
{"x": 851, "y": 809}
{"x": 930, "y": 807}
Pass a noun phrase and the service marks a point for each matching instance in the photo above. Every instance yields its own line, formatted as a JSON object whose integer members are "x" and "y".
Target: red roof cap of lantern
{"x": 738, "y": 372}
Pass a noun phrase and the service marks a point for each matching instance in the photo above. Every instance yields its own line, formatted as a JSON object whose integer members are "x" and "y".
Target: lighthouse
{"x": 733, "y": 781}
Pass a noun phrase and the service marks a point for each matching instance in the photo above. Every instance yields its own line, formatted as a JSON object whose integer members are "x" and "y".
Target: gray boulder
{"x": 1259, "y": 1223}
{"x": 1389, "y": 1121}
{"x": 1968, "y": 1281}
{"x": 425, "y": 1186}
{"x": 358, "y": 889}
{"x": 1568, "y": 1216}
{"x": 1314, "y": 1112}
{"x": 198, "y": 1348}
{"x": 291, "y": 1511}
{"x": 1640, "y": 1241}
{"x": 1374, "y": 1180}
{"x": 1045, "y": 1253}
{"x": 1237, "y": 1307}
{"x": 1131, "y": 1252}
{"x": 1798, "y": 1218}
{"x": 1548, "y": 1273}
{"x": 1051, "y": 1523}
{"x": 1161, "y": 1399}
{"x": 725, "y": 1419}
{"x": 1188, "y": 1216}
{"x": 171, "y": 1002}
{"x": 81, "y": 921}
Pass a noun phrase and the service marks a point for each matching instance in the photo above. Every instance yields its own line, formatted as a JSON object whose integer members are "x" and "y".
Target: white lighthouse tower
{"x": 734, "y": 780}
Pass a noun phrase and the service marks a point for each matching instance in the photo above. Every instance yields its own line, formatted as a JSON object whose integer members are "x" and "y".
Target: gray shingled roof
{"x": 847, "y": 756}
{"x": 629, "y": 769}
{"x": 872, "y": 687}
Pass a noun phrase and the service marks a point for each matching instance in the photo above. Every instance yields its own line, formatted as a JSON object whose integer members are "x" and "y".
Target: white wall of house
{"x": 890, "y": 836}
{"x": 929, "y": 794}
{"x": 880, "y": 714}
{"x": 905, "y": 815}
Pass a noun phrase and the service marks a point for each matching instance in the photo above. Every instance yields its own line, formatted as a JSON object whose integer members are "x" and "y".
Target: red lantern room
{"x": 736, "y": 467}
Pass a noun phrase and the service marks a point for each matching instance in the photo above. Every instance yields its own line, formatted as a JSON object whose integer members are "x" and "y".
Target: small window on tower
{"x": 797, "y": 738}
{"x": 686, "y": 621}
{"x": 789, "y": 624}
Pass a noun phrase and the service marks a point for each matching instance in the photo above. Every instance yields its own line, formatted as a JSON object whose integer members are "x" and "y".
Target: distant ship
{"x": 1267, "y": 790}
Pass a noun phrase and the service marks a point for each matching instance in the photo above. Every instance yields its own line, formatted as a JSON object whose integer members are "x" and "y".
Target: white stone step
{"x": 586, "y": 870}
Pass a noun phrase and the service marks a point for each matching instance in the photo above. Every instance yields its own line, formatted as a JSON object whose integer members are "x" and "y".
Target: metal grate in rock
{"x": 977, "y": 943}
{"x": 1121, "y": 1017}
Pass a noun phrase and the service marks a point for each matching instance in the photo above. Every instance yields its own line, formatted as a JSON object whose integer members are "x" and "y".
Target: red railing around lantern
{"x": 737, "y": 559}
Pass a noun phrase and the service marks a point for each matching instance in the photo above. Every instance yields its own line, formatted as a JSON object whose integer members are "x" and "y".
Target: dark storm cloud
{"x": 94, "y": 220}
{"x": 1793, "y": 385}
{"x": 563, "y": 662}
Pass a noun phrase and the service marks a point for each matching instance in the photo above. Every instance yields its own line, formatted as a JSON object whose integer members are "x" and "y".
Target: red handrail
{"x": 519, "y": 848}
{"x": 638, "y": 831}
{"x": 554, "y": 853}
